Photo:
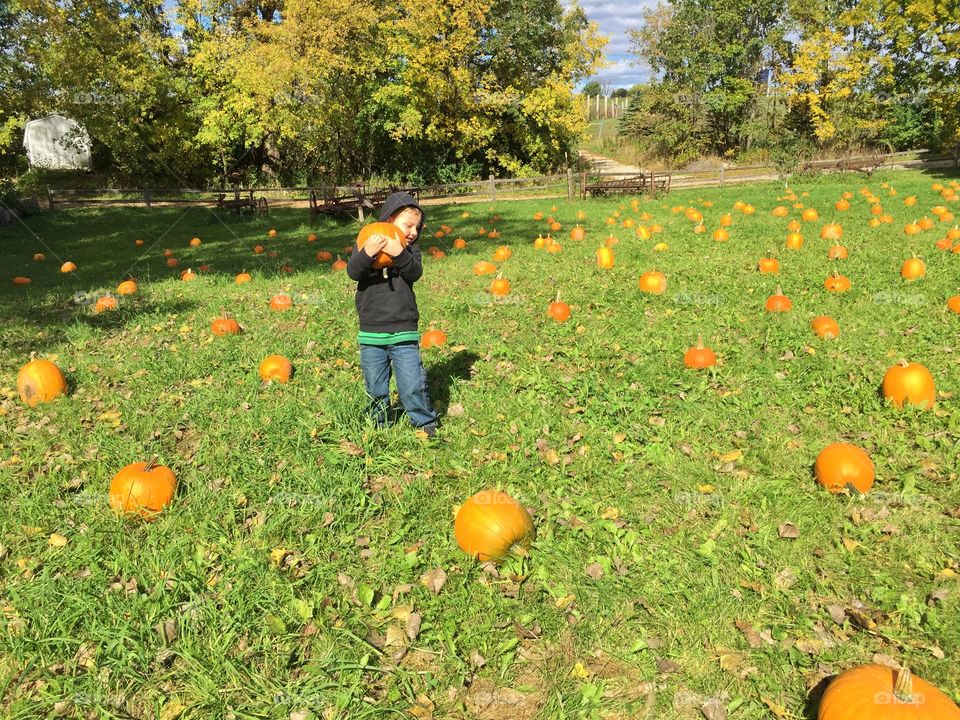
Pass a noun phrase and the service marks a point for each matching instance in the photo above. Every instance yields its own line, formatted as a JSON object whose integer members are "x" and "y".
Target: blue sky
{"x": 615, "y": 18}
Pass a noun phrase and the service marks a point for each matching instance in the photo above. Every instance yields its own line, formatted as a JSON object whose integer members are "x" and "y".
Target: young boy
{"x": 387, "y": 308}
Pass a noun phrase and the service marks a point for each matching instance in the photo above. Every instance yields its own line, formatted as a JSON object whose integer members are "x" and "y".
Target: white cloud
{"x": 616, "y": 18}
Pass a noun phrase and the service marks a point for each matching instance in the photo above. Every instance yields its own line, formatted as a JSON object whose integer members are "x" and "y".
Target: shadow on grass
{"x": 39, "y": 328}
{"x": 813, "y": 699}
{"x": 442, "y": 375}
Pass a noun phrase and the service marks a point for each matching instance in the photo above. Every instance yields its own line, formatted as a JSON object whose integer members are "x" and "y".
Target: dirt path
{"x": 607, "y": 165}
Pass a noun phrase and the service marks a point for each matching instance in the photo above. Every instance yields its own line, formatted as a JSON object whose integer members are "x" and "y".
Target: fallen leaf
{"x": 810, "y": 646}
{"x": 351, "y": 448}
{"x": 434, "y": 579}
{"x": 714, "y": 709}
{"x": 731, "y": 456}
{"x": 752, "y": 636}
{"x": 785, "y": 579}
{"x": 789, "y": 531}
{"x": 778, "y": 710}
{"x": 57, "y": 540}
{"x": 422, "y": 709}
{"x": 455, "y": 410}
{"x": 666, "y": 666}
{"x": 729, "y": 659}
{"x": 476, "y": 659}
{"x": 594, "y": 570}
{"x": 414, "y": 620}
{"x": 395, "y": 637}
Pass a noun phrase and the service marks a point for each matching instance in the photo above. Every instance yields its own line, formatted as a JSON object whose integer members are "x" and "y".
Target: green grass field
{"x": 288, "y": 575}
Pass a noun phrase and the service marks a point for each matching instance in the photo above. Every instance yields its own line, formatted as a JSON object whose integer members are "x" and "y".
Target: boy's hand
{"x": 375, "y": 244}
{"x": 393, "y": 247}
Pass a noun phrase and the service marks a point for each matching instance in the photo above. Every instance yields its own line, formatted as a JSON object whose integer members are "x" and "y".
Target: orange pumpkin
{"x": 699, "y": 356}
{"x": 271, "y": 233}
{"x": 21, "y": 280}
{"x": 877, "y": 692}
{"x": 40, "y": 381}
{"x": 312, "y": 237}
{"x": 339, "y": 264}
{"x": 324, "y": 256}
{"x": 459, "y": 243}
{"x": 809, "y": 215}
{"x": 281, "y": 302}
{"x": 388, "y": 230}
{"x": 768, "y": 264}
{"x": 837, "y": 283}
{"x": 721, "y": 234}
{"x": 577, "y": 233}
{"x": 604, "y": 258}
{"x": 837, "y": 252}
{"x": 104, "y": 303}
{"x": 653, "y": 282}
{"x": 142, "y": 488}
{"x": 558, "y": 310}
{"x": 39, "y": 257}
{"x": 502, "y": 253}
{"x": 127, "y": 287}
{"x": 275, "y": 368}
{"x": 195, "y": 242}
{"x": 842, "y": 205}
{"x": 842, "y": 466}
{"x": 726, "y": 220}
{"x": 68, "y": 267}
{"x": 224, "y": 325}
{"x": 831, "y": 231}
{"x": 778, "y": 302}
{"x": 433, "y": 338}
{"x": 913, "y": 269}
{"x": 172, "y": 262}
{"x": 953, "y": 304}
{"x": 242, "y": 278}
{"x": 500, "y": 287}
{"x": 484, "y": 268}
{"x": 825, "y": 327}
{"x": 910, "y": 384}
{"x": 794, "y": 226}
{"x": 794, "y": 241}
{"x": 925, "y": 223}
{"x": 780, "y": 211}
{"x": 188, "y": 275}
{"x": 911, "y": 229}
{"x": 492, "y": 525}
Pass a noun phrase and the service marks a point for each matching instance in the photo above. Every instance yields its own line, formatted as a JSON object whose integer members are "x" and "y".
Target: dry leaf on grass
{"x": 434, "y": 579}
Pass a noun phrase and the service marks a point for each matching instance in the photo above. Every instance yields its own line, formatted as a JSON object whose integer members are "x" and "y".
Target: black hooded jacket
{"x": 385, "y": 299}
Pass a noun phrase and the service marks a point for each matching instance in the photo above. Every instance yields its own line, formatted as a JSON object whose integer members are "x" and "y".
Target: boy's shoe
{"x": 429, "y": 430}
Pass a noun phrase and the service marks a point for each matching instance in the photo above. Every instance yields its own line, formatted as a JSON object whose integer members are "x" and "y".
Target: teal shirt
{"x": 374, "y": 338}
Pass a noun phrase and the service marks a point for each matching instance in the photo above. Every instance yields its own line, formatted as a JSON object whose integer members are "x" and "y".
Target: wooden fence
{"x": 567, "y": 184}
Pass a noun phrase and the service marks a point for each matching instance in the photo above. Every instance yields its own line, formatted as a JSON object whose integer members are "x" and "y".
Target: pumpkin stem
{"x": 151, "y": 465}
{"x": 779, "y": 291}
{"x": 699, "y": 341}
{"x": 903, "y": 687}
{"x": 558, "y": 296}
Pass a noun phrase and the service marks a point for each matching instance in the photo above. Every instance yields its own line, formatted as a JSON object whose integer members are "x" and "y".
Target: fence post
{"x": 493, "y": 188}
{"x": 49, "y": 198}
{"x": 722, "y": 168}
{"x": 583, "y": 184}
{"x": 569, "y": 184}
{"x": 147, "y": 196}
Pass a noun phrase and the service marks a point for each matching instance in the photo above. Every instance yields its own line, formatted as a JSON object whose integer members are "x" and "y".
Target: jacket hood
{"x": 398, "y": 201}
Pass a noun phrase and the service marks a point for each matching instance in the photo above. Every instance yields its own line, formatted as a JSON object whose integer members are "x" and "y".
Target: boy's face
{"x": 408, "y": 220}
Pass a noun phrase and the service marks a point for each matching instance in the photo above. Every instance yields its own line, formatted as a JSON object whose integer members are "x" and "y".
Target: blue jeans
{"x": 403, "y": 359}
